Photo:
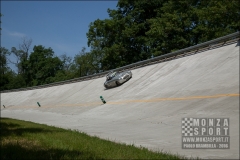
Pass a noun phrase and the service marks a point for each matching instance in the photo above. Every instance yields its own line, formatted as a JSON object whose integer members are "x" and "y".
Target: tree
{"x": 42, "y": 66}
{"x": 216, "y": 19}
{"x": 4, "y": 69}
{"x": 180, "y": 24}
{"x": 122, "y": 39}
{"x": 85, "y": 63}
{"x": 3, "y": 60}
{"x": 21, "y": 54}
{"x": 135, "y": 15}
{"x": 171, "y": 29}
{"x": 138, "y": 30}
{"x": 65, "y": 73}
{"x": 25, "y": 46}
{"x": 67, "y": 61}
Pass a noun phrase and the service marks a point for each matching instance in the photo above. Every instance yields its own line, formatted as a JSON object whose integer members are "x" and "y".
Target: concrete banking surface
{"x": 148, "y": 109}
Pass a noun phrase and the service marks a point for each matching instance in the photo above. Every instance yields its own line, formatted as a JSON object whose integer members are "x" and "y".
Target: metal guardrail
{"x": 222, "y": 41}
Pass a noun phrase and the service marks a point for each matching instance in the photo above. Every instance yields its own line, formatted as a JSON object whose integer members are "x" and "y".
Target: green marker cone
{"x": 102, "y": 99}
{"x": 38, "y": 104}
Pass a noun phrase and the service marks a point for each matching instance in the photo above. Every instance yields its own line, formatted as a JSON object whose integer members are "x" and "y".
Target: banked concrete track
{"x": 147, "y": 110}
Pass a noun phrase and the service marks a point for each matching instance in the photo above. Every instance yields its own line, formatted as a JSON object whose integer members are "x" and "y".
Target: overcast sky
{"x": 61, "y": 25}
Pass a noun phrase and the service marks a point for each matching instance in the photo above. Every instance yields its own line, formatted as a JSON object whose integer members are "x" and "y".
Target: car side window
{"x": 111, "y": 75}
{"x": 108, "y": 76}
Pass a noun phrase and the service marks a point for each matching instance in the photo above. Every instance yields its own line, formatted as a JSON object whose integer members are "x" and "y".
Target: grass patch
{"x": 27, "y": 140}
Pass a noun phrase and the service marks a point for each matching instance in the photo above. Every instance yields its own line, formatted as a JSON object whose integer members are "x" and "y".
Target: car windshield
{"x": 110, "y": 75}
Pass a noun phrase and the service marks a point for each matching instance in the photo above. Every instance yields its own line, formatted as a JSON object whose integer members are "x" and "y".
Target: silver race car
{"x": 117, "y": 78}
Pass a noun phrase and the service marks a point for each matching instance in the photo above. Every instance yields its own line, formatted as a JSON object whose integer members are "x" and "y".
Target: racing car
{"x": 114, "y": 79}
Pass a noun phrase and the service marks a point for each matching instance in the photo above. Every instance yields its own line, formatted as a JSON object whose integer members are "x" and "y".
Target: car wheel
{"x": 106, "y": 86}
{"x": 117, "y": 83}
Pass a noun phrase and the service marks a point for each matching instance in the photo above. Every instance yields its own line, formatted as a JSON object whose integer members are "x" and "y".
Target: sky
{"x": 61, "y": 25}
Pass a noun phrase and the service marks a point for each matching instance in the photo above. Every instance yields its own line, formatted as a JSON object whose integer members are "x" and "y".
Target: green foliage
{"x": 138, "y": 30}
{"x": 15, "y": 81}
{"x": 3, "y": 60}
{"x": 171, "y": 29}
{"x": 4, "y": 69}
{"x": 180, "y": 24}
{"x": 216, "y": 18}
{"x": 43, "y": 65}
{"x": 86, "y": 63}
{"x": 27, "y": 140}
{"x": 121, "y": 39}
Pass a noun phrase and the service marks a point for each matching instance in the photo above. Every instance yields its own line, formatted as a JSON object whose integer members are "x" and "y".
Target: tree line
{"x": 135, "y": 31}
{"x": 41, "y": 66}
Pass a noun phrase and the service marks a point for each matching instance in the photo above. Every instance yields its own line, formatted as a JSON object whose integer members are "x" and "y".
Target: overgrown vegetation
{"x": 27, "y": 140}
{"x": 136, "y": 30}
